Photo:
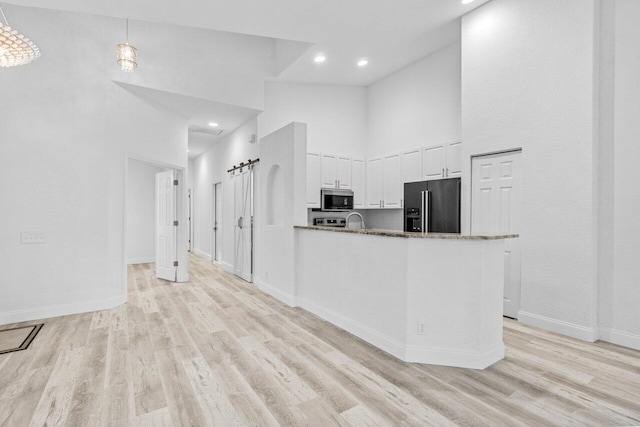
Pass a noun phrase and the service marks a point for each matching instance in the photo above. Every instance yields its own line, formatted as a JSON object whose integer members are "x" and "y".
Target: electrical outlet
{"x": 29, "y": 237}
{"x": 422, "y": 327}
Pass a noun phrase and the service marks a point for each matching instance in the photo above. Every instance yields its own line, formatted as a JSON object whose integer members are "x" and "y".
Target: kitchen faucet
{"x": 357, "y": 214}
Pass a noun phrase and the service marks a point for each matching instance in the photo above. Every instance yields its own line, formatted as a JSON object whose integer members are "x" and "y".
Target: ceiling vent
{"x": 206, "y": 130}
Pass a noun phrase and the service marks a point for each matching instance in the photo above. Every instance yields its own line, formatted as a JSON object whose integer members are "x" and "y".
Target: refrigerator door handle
{"x": 425, "y": 211}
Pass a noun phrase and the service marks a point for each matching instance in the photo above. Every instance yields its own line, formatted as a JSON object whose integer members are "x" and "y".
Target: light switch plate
{"x": 29, "y": 237}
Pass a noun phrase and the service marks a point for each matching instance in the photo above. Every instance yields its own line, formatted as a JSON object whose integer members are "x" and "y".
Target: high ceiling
{"x": 198, "y": 113}
{"x": 228, "y": 48}
{"x": 390, "y": 33}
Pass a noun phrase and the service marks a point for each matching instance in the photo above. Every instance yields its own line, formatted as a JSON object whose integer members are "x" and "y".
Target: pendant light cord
{"x": 4, "y": 16}
{"x": 127, "y": 25}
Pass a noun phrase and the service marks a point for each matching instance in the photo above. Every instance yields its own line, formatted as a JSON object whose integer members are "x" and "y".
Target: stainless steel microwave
{"x": 333, "y": 200}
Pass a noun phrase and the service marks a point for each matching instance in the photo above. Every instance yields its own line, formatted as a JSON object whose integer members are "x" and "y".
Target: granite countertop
{"x": 407, "y": 235}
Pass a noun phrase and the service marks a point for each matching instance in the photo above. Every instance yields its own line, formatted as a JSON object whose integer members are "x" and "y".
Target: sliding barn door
{"x": 243, "y": 207}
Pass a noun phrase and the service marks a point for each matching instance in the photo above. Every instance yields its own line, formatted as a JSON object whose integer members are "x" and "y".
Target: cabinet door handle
{"x": 339, "y": 185}
{"x": 443, "y": 172}
{"x": 447, "y": 171}
{"x": 401, "y": 203}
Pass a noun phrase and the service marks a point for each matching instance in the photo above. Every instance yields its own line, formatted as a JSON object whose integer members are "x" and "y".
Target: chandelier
{"x": 15, "y": 49}
{"x": 127, "y": 55}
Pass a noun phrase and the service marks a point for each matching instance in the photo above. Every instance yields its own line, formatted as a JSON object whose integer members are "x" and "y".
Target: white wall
{"x": 210, "y": 168}
{"x": 416, "y": 106}
{"x": 619, "y": 199}
{"x": 626, "y": 316}
{"x": 141, "y": 211}
{"x": 65, "y": 130}
{"x": 281, "y": 200}
{"x": 528, "y": 81}
{"x": 335, "y": 116}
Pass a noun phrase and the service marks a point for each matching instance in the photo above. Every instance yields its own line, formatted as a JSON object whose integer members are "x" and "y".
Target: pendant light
{"x": 127, "y": 55}
{"x": 15, "y": 49}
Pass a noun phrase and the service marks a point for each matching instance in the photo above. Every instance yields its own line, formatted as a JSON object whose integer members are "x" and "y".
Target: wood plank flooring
{"x": 218, "y": 352}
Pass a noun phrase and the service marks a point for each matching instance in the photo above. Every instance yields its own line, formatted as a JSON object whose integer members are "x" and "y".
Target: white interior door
{"x": 166, "y": 213}
{"x": 495, "y": 208}
{"x": 217, "y": 223}
{"x": 243, "y": 188}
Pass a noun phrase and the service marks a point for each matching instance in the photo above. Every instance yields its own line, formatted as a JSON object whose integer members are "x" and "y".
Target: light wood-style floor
{"x": 216, "y": 351}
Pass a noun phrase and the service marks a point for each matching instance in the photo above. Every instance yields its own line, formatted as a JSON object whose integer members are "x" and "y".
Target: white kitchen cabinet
{"x": 392, "y": 187}
{"x": 358, "y": 183}
{"x": 329, "y": 171}
{"x": 336, "y": 171}
{"x": 434, "y": 159}
{"x": 344, "y": 172}
{"x": 313, "y": 180}
{"x": 411, "y": 164}
{"x": 384, "y": 187}
{"x": 454, "y": 159}
{"x": 442, "y": 161}
{"x": 374, "y": 183}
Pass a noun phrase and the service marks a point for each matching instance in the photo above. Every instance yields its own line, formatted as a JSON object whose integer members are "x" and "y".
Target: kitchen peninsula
{"x": 422, "y": 297}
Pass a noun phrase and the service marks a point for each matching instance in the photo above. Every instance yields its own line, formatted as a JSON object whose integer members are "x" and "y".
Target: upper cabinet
{"x": 358, "y": 182}
{"x": 344, "y": 172}
{"x": 392, "y": 187}
{"x": 313, "y": 180}
{"x": 434, "y": 159}
{"x": 384, "y": 182}
{"x": 336, "y": 171}
{"x": 333, "y": 171}
{"x": 374, "y": 183}
{"x": 378, "y": 183}
{"x": 442, "y": 161}
{"x": 411, "y": 164}
{"x": 329, "y": 172}
{"x": 454, "y": 159}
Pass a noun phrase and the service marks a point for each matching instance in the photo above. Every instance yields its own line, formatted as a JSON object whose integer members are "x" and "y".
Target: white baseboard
{"x": 408, "y": 353}
{"x": 146, "y": 260}
{"x": 202, "y": 254}
{"x": 275, "y": 292}
{"x": 456, "y": 358}
{"x": 391, "y": 346}
{"x": 620, "y": 338}
{"x": 227, "y": 267}
{"x": 46, "y": 312}
{"x": 559, "y": 326}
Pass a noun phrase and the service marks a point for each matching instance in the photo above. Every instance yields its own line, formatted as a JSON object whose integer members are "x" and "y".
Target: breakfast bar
{"x": 422, "y": 297}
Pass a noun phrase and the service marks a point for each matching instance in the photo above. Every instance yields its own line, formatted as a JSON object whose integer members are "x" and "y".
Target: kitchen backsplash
{"x": 384, "y": 219}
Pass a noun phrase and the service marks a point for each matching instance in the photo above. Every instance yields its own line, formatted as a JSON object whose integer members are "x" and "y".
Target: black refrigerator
{"x": 432, "y": 206}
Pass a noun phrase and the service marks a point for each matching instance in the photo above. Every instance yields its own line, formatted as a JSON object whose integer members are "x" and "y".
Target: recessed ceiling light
{"x": 466, "y": 1}
{"x": 320, "y": 58}
{"x": 213, "y": 124}
{"x": 362, "y": 62}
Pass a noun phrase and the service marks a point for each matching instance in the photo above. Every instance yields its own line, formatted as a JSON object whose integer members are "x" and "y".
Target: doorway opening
{"x": 156, "y": 226}
{"x": 496, "y": 199}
